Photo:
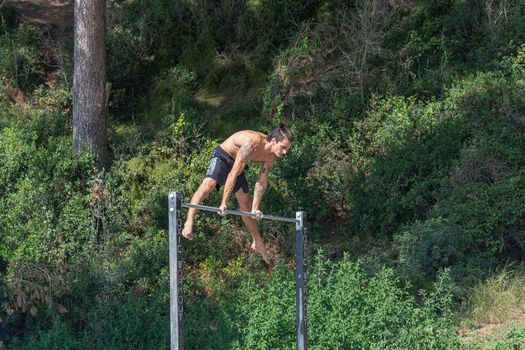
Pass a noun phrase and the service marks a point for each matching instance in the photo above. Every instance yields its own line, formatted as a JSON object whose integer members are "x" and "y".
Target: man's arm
{"x": 260, "y": 186}
{"x": 238, "y": 166}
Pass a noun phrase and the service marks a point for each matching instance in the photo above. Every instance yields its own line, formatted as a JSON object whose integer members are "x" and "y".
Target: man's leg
{"x": 245, "y": 204}
{"x": 207, "y": 185}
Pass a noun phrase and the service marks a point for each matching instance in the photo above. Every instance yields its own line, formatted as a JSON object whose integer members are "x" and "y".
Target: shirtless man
{"x": 226, "y": 168}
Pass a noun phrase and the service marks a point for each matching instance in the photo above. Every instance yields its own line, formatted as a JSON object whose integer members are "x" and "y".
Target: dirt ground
{"x": 56, "y": 15}
{"x": 490, "y": 330}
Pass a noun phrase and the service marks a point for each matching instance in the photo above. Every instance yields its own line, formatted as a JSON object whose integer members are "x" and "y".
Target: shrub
{"x": 173, "y": 98}
{"x": 7, "y": 19}
{"x": 426, "y": 248}
{"x": 21, "y": 63}
{"x": 313, "y": 177}
{"x": 140, "y": 41}
{"x": 45, "y": 213}
{"x": 401, "y": 153}
{"x": 137, "y": 323}
{"x": 58, "y": 337}
{"x": 488, "y": 214}
{"x": 44, "y": 197}
{"x": 347, "y": 310}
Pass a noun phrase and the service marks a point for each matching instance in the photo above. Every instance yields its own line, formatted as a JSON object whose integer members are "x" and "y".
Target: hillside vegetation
{"x": 409, "y": 120}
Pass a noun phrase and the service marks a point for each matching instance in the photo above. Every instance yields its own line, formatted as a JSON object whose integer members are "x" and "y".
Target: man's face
{"x": 280, "y": 148}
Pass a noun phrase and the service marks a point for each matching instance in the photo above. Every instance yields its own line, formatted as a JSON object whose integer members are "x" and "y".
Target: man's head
{"x": 280, "y": 140}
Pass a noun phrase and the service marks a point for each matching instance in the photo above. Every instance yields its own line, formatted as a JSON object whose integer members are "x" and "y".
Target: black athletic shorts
{"x": 221, "y": 164}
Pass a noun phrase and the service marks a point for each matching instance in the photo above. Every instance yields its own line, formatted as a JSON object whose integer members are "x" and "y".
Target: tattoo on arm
{"x": 245, "y": 150}
{"x": 265, "y": 169}
{"x": 259, "y": 189}
{"x": 260, "y": 185}
{"x": 257, "y": 195}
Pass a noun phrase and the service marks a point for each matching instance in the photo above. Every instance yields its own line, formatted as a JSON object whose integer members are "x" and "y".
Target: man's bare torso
{"x": 258, "y": 140}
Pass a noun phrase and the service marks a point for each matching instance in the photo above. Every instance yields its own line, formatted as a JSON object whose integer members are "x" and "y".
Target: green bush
{"x": 7, "y": 19}
{"x": 173, "y": 98}
{"x": 488, "y": 214}
{"x": 346, "y": 310}
{"x": 401, "y": 153}
{"x": 45, "y": 202}
{"x": 136, "y": 323}
{"x": 351, "y": 310}
{"x": 140, "y": 41}
{"x": 21, "y": 62}
{"x": 58, "y": 337}
{"x": 486, "y": 182}
{"x": 312, "y": 177}
{"x": 426, "y": 248}
{"x": 46, "y": 217}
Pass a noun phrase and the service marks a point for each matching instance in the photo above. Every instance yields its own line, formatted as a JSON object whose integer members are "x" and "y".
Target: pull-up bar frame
{"x": 175, "y": 206}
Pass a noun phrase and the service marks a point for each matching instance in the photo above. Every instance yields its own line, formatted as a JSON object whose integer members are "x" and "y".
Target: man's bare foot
{"x": 187, "y": 231}
{"x": 261, "y": 250}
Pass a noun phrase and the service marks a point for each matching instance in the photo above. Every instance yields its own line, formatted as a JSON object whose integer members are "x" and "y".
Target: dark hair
{"x": 280, "y": 134}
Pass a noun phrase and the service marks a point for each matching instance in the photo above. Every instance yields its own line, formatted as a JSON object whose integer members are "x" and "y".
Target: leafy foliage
{"x": 409, "y": 128}
{"x": 348, "y": 310}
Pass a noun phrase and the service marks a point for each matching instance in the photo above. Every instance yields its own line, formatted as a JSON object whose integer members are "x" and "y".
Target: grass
{"x": 499, "y": 298}
{"x": 496, "y": 312}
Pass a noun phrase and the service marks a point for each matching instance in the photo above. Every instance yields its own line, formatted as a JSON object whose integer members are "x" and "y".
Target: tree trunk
{"x": 90, "y": 90}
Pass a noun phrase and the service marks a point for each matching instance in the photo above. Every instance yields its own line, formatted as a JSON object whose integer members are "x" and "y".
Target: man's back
{"x": 254, "y": 139}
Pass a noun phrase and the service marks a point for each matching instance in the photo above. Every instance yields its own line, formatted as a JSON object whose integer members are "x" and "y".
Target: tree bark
{"x": 90, "y": 90}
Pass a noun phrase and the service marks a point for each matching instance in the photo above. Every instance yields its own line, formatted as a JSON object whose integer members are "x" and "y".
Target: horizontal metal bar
{"x": 237, "y": 212}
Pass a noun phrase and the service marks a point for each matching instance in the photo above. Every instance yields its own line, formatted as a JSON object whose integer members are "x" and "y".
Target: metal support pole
{"x": 175, "y": 261}
{"x": 175, "y": 254}
{"x": 300, "y": 279}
